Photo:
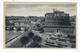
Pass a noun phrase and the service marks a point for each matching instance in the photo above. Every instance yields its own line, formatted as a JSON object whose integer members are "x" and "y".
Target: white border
{"x": 39, "y": 50}
{"x": 1, "y": 24}
{"x": 41, "y": 0}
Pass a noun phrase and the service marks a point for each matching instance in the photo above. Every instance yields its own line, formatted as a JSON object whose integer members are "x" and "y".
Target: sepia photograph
{"x": 40, "y": 24}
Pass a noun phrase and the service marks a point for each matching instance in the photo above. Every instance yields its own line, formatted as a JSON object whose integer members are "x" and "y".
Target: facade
{"x": 58, "y": 21}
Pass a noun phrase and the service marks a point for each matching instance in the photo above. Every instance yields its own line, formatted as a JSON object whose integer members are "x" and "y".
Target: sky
{"x": 38, "y": 9}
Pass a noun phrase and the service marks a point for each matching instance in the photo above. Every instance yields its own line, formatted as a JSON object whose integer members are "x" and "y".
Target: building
{"x": 21, "y": 23}
{"x": 58, "y": 21}
{"x": 16, "y": 22}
